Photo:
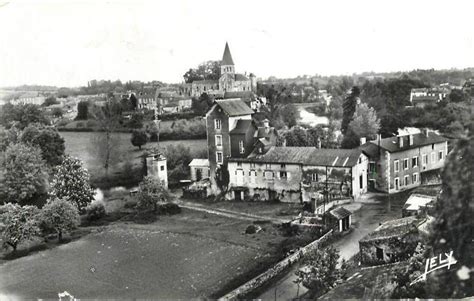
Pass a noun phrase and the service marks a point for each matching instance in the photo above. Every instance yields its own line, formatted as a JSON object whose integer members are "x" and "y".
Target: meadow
{"x": 125, "y": 156}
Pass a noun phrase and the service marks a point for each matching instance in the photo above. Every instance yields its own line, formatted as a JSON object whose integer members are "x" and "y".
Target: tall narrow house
{"x": 221, "y": 119}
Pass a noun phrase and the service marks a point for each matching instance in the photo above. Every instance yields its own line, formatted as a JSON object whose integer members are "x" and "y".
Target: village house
{"x": 199, "y": 169}
{"x": 403, "y": 162}
{"x": 298, "y": 174}
{"x": 420, "y": 97}
{"x": 221, "y": 119}
{"x": 338, "y": 219}
{"x": 229, "y": 81}
{"x": 146, "y": 101}
{"x": 392, "y": 241}
{"x": 156, "y": 168}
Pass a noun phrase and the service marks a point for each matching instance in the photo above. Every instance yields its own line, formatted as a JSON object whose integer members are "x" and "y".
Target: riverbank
{"x": 308, "y": 118}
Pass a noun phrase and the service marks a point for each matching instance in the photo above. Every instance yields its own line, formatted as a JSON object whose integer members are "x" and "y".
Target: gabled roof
{"x": 391, "y": 144}
{"x": 340, "y": 213}
{"x": 227, "y": 57}
{"x": 205, "y": 82}
{"x": 308, "y": 156}
{"x": 234, "y": 107}
{"x": 199, "y": 162}
{"x": 392, "y": 228}
{"x": 241, "y": 77}
{"x": 242, "y": 126}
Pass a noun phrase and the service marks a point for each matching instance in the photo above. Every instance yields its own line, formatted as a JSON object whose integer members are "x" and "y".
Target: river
{"x": 309, "y": 118}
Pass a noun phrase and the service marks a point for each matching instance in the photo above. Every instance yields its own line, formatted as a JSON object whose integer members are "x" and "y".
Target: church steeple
{"x": 227, "y": 63}
{"x": 227, "y": 57}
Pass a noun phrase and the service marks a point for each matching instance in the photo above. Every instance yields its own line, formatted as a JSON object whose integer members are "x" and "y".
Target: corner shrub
{"x": 95, "y": 211}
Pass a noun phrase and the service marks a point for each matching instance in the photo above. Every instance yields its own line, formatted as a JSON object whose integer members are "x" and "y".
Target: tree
{"x": 82, "y": 110}
{"x": 136, "y": 120}
{"x": 208, "y": 70}
{"x": 47, "y": 139}
{"x": 150, "y": 193}
{"x": 57, "y": 112}
{"x": 222, "y": 177}
{"x": 320, "y": 273}
{"x": 202, "y": 104}
{"x": 457, "y": 95}
{"x": 404, "y": 278}
{"x": 364, "y": 124}
{"x": 108, "y": 118}
{"x": 71, "y": 182}
{"x": 25, "y": 177}
{"x": 349, "y": 107}
{"x": 289, "y": 115}
{"x": 51, "y": 100}
{"x": 20, "y": 224}
{"x": 21, "y": 115}
{"x": 60, "y": 215}
{"x": 453, "y": 226}
{"x": 139, "y": 138}
{"x": 133, "y": 101}
{"x": 296, "y": 137}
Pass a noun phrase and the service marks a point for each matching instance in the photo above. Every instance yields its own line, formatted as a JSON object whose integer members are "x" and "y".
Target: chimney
{"x": 426, "y": 132}
{"x": 363, "y": 140}
{"x": 400, "y": 141}
{"x": 410, "y": 139}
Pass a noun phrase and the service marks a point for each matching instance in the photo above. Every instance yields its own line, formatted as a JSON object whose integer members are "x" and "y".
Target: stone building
{"x": 403, "y": 162}
{"x": 298, "y": 174}
{"x": 199, "y": 169}
{"x": 156, "y": 168}
{"x": 393, "y": 241}
{"x": 221, "y": 119}
{"x": 229, "y": 80}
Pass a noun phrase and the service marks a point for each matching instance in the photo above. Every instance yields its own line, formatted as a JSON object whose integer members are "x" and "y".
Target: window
{"x": 252, "y": 165}
{"x": 218, "y": 140}
{"x": 268, "y": 166}
{"x": 424, "y": 159}
{"x": 414, "y": 162}
{"x": 314, "y": 177}
{"x": 217, "y": 124}
{"x": 397, "y": 183}
{"x": 283, "y": 165}
{"x": 239, "y": 164}
{"x": 241, "y": 147}
{"x": 397, "y": 165}
{"x": 219, "y": 158}
{"x": 414, "y": 178}
{"x": 269, "y": 175}
{"x": 405, "y": 163}
{"x": 433, "y": 157}
{"x": 372, "y": 167}
{"x": 162, "y": 167}
{"x": 440, "y": 155}
{"x": 283, "y": 175}
{"x": 406, "y": 180}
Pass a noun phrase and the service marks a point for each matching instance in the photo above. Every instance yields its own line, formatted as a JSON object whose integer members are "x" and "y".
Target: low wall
{"x": 323, "y": 208}
{"x": 273, "y": 272}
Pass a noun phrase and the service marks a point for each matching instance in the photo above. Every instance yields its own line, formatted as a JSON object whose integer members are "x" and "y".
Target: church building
{"x": 229, "y": 80}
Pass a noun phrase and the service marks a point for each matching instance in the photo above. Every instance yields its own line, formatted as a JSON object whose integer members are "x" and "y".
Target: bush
{"x": 95, "y": 211}
{"x": 131, "y": 204}
{"x": 169, "y": 209}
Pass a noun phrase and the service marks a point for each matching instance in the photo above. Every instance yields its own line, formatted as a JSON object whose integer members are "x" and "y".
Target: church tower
{"x": 226, "y": 81}
{"x": 227, "y": 64}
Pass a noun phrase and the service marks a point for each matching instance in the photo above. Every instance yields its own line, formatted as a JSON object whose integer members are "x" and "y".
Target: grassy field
{"x": 80, "y": 144}
{"x": 189, "y": 255}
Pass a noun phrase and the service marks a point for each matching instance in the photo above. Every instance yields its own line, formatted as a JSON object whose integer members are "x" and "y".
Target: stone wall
{"x": 262, "y": 279}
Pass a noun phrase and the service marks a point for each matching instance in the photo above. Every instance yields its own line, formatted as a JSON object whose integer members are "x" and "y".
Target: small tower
{"x": 227, "y": 64}
{"x": 156, "y": 168}
{"x": 253, "y": 82}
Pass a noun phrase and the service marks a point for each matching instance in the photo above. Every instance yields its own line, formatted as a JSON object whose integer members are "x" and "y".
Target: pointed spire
{"x": 227, "y": 57}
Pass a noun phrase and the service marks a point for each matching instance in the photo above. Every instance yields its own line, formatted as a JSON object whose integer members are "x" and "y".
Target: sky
{"x": 67, "y": 43}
